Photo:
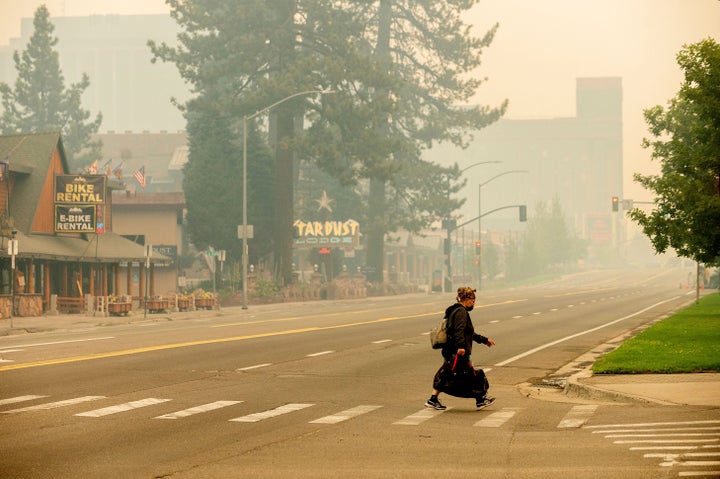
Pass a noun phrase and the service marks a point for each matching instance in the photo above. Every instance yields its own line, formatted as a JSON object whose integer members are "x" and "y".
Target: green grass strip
{"x": 687, "y": 342}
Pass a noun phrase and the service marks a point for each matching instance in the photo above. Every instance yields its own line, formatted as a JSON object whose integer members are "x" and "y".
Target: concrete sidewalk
{"x": 702, "y": 389}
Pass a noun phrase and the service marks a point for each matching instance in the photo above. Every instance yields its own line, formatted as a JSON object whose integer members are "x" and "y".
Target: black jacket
{"x": 461, "y": 332}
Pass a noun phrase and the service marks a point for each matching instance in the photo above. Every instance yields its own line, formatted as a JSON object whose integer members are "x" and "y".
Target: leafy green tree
{"x": 686, "y": 141}
{"x": 40, "y": 102}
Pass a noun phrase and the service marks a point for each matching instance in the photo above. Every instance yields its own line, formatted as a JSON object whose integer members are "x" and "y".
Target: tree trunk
{"x": 282, "y": 231}
{"x": 376, "y": 202}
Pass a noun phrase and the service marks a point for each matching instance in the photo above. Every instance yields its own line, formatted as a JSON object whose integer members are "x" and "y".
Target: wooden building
{"x": 62, "y": 224}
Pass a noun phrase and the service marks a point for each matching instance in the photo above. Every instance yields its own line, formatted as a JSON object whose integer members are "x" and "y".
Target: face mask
{"x": 469, "y": 308}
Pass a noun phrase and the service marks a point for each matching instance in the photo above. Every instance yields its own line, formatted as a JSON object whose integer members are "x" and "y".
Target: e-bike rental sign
{"x": 79, "y": 201}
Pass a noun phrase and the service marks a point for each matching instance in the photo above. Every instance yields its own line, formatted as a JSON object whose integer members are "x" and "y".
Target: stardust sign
{"x": 311, "y": 233}
{"x": 80, "y": 189}
{"x": 75, "y": 219}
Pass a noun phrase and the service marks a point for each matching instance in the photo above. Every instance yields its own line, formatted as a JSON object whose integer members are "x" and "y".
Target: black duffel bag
{"x": 460, "y": 379}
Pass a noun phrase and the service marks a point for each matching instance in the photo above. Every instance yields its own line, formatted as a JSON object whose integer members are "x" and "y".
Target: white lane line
{"x": 516, "y": 317}
{"x": 6, "y": 361}
{"x": 662, "y": 441}
{"x": 664, "y": 448}
{"x": 5, "y": 351}
{"x": 345, "y": 415}
{"x": 690, "y": 464}
{"x": 494, "y": 321}
{"x": 128, "y": 406}
{"x": 65, "y": 342}
{"x": 577, "y": 416}
{"x": 278, "y": 411}
{"x": 651, "y": 424}
{"x": 662, "y": 429}
{"x": 53, "y": 405}
{"x": 19, "y": 399}
{"x": 699, "y": 474}
{"x": 419, "y": 417}
{"x": 198, "y": 409}
{"x": 321, "y": 353}
{"x": 686, "y": 434}
{"x": 581, "y": 333}
{"x": 248, "y": 368}
{"x": 382, "y": 341}
{"x": 499, "y": 418}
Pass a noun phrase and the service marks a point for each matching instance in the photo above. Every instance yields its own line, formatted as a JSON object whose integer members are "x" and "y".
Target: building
{"x": 61, "y": 226}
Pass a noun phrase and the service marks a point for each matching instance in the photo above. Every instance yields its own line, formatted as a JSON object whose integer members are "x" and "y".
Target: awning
{"x": 95, "y": 248}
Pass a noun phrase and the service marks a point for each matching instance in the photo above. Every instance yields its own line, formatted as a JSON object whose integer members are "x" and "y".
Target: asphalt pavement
{"x": 701, "y": 389}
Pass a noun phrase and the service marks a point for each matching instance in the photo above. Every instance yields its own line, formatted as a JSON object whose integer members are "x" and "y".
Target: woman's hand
{"x": 461, "y": 352}
{"x": 490, "y": 342}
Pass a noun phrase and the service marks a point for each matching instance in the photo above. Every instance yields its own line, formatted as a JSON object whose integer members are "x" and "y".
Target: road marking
{"x": 578, "y": 416}
{"x": 345, "y": 415}
{"x": 128, "y": 406}
{"x": 499, "y": 418}
{"x": 650, "y": 424}
{"x": 385, "y": 340}
{"x": 53, "y": 405}
{"x": 661, "y": 441}
{"x": 278, "y": 411}
{"x": 5, "y": 351}
{"x": 65, "y": 342}
{"x": 321, "y": 353}
{"x": 419, "y": 417}
{"x": 198, "y": 409}
{"x": 687, "y": 434}
{"x": 248, "y": 368}
{"x": 572, "y": 336}
{"x": 19, "y": 399}
{"x": 699, "y": 473}
{"x": 618, "y": 431}
{"x": 6, "y": 361}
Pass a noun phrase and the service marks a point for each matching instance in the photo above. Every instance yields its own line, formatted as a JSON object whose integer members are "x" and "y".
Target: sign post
{"x": 148, "y": 254}
{"x": 12, "y": 251}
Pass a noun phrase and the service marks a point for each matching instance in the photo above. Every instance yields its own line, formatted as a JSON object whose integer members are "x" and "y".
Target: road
{"x": 335, "y": 389}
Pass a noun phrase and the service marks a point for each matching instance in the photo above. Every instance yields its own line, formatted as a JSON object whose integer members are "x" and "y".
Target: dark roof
{"x": 29, "y": 157}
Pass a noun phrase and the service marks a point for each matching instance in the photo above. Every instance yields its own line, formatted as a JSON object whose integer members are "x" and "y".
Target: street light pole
{"x": 449, "y": 222}
{"x": 246, "y": 118}
{"x": 480, "y": 216}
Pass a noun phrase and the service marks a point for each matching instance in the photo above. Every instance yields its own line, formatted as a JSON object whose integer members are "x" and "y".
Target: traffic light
{"x": 523, "y": 213}
{"x": 478, "y": 248}
{"x": 615, "y": 203}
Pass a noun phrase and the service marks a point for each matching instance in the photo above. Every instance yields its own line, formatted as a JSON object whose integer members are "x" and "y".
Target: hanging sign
{"x": 80, "y": 189}
{"x": 75, "y": 219}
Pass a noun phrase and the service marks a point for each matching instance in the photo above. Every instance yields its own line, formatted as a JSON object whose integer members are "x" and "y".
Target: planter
{"x": 184, "y": 304}
{"x": 158, "y": 305}
{"x": 204, "y": 303}
{"x": 119, "y": 308}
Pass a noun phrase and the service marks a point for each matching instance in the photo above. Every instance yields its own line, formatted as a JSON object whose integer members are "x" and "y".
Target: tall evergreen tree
{"x": 40, "y": 102}
{"x": 399, "y": 70}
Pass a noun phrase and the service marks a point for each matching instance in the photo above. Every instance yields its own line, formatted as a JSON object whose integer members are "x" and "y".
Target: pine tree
{"x": 40, "y": 102}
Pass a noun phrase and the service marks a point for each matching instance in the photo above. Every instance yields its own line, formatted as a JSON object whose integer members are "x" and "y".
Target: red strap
{"x": 455, "y": 362}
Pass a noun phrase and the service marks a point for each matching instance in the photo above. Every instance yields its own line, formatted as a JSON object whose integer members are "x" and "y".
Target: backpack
{"x": 438, "y": 335}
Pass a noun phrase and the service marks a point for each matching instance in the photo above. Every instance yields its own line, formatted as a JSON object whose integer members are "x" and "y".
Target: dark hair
{"x": 465, "y": 292}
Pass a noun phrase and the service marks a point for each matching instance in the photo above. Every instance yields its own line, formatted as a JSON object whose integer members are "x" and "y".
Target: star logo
{"x": 324, "y": 202}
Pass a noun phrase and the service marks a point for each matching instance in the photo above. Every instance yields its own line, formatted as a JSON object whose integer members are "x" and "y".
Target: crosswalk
{"x": 575, "y": 417}
{"x": 690, "y": 448}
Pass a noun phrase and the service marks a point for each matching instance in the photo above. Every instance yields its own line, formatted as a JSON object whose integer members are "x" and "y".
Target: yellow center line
{"x": 161, "y": 347}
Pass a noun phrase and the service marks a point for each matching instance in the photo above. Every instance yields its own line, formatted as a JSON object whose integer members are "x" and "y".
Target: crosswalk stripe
{"x": 577, "y": 416}
{"x": 53, "y": 405}
{"x": 259, "y": 416}
{"x": 345, "y": 415}
{"x": 19, "y": 399}
{"x": 128, "y": 406}
{"x": 419, "y": 417}
{"x": 198, "y": 409}
{"x": 3, "y": 351}
{"x": 497, "y": 419}
{"x": 7, "y": 360}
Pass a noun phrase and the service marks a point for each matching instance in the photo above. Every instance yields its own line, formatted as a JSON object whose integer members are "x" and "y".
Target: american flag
{"x": 140, "y": 176}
